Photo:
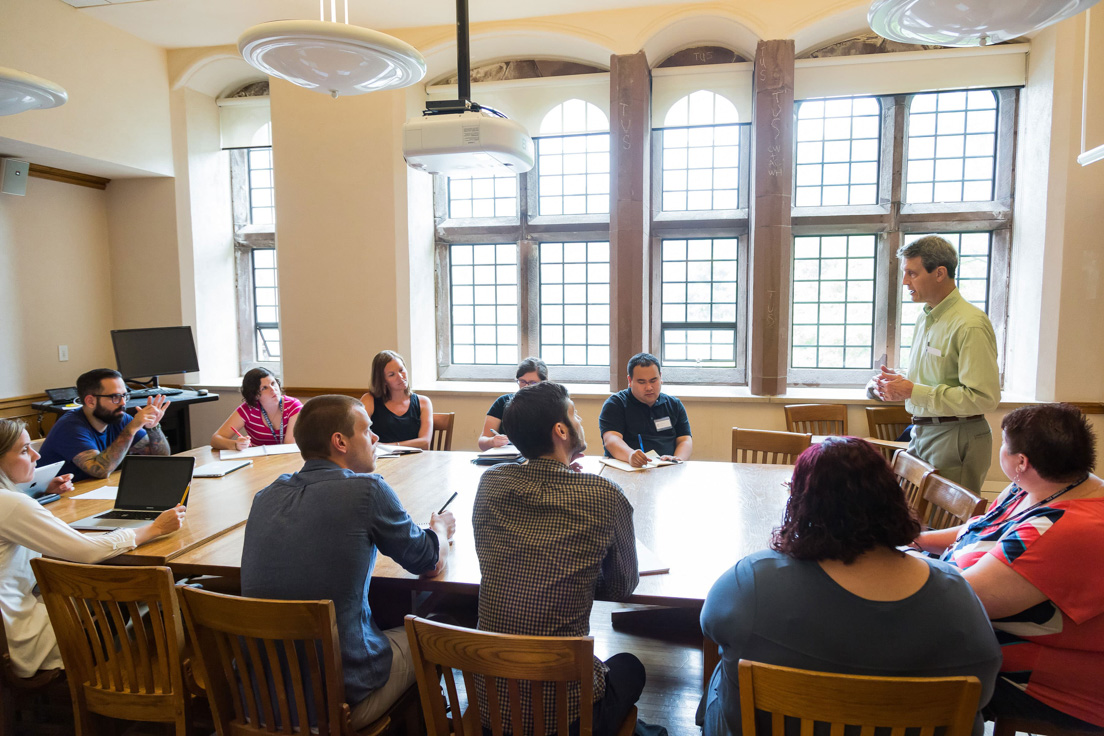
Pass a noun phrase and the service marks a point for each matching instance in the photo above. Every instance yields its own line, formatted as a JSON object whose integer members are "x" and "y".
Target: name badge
{"x": 662, "y": 423}
{"x": 934, "y": 351}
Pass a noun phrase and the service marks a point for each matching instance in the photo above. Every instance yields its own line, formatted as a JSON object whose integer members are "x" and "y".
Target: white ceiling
{"x": 187, "y": 23}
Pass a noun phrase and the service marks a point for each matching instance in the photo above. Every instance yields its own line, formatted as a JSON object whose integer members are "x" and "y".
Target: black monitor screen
{"x": 157, "y": 351}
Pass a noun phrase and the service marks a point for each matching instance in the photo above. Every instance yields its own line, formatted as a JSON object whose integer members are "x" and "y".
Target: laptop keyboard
{"x": 139, "y": 515}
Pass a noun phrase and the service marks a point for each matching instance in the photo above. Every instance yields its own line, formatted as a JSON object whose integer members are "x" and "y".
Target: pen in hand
{"x": 640, "y": 439}
{"x": 448, "y": 502}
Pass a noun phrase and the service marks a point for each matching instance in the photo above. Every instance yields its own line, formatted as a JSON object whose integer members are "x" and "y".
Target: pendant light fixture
{"x": 967, "y": 22}
{"x": 331, "y": 57}
{"x": 20, "y": 91}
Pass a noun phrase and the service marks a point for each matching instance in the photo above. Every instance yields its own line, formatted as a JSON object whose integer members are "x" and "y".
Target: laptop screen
{"x": 153, "y": 483}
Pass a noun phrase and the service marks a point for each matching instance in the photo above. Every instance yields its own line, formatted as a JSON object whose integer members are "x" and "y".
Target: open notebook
{"x": 259, "y": 451}
{"x": 653, "y": 462}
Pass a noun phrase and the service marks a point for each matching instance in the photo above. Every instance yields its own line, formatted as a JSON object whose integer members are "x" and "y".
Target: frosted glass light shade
{"x": 967, "y": 22}
{"x": 333, "y": 58}
{"x": 20, "y": 91}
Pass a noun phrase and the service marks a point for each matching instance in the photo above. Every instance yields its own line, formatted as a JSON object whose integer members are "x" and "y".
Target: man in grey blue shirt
{"x": 314, "y": 534}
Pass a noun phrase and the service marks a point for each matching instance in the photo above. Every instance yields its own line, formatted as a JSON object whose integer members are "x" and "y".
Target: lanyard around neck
{"x": 985, "y": 520}
{"x": 264, "y": 415}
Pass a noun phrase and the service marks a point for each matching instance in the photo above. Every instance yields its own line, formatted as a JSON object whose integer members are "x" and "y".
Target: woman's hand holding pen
{"x": 498, "y": 439}
{"x": 241, "y": 442}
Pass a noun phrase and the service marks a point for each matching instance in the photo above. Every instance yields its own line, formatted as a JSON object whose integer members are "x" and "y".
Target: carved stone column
{"x": 630, "y": 216}
{"x": 772, "y": 148}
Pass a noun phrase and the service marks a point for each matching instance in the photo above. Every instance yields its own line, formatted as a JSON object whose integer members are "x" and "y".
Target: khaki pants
{"x": 400, "y": 679}
{"x": 960, "y": 451}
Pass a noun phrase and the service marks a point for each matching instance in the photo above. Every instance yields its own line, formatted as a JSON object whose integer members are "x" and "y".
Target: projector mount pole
{"x": 463, "y": 53}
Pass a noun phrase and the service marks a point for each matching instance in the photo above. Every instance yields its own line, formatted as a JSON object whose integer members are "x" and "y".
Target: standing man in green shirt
{"x": 953, "y": 377}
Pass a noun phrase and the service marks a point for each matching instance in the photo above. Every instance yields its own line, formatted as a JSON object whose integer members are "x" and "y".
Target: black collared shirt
{"x": 635, "y": 420}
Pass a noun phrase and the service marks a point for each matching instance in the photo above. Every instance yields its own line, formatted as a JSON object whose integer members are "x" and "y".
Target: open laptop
{"x": 36, "y": 487}
{"x": 149, "y": 485}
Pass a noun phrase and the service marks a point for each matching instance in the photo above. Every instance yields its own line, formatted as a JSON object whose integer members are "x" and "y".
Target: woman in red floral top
{"x": 1036, "y": 561}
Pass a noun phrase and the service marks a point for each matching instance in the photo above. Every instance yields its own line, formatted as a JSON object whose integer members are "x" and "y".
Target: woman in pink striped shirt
{"x": 266, "y": 417}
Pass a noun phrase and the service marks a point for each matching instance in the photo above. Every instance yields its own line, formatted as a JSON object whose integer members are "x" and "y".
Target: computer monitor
{"x": 154, "y": 351}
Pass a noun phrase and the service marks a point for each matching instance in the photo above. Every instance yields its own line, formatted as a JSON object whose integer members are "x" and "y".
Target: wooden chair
{"x": 1012, "y": 726}
{"x": 265, "y": 660}
{"x": 117, "y": 669}
{"x": 16, "y": 691}
{"x": 887, "y": 422}
{"x": 531, "y": 662}
{"x": 442, "y": 431}
{"x": 911, "y": 472}
{"x": 947, "y": 504}
{"x": 817, "y": 418}
{"x": 764, "y": 446}
{"x": 896, "y": 703}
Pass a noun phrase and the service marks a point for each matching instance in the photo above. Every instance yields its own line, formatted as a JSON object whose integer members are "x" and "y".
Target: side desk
{"x": 176, "y": 423}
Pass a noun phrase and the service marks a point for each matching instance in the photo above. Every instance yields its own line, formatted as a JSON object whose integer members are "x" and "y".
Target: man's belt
{"x": 944, "y": 420}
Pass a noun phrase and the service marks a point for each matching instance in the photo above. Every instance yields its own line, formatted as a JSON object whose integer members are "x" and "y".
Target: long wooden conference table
{"x": 698, "y": 517}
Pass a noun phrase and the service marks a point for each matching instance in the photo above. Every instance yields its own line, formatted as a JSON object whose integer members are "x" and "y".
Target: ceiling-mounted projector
{"x": 462, "y": 137}
{"x": 466, "y": 140}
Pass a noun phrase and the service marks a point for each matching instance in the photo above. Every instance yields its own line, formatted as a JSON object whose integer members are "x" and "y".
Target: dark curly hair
{"x": 251, "y": 385}
{"x": 844, "y": 500}
{"x": 1057, "y": 439}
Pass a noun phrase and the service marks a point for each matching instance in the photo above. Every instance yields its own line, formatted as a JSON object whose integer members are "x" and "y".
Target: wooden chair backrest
{"x": 442, "y": 431}
{"x": 764, "y": 446}
{"x": 116, "y": 664}
{"x": 911, "y": 472}
{"x": 263, "y": 660}
{"x": 948, "y": 504}
{"x": 897, "y": 703}
{"x": 887, "y": 422}
{"x": 817, "y": 418}
{"x": 539, "y": 664}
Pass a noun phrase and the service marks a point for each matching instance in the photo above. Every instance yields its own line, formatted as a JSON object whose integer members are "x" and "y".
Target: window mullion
{"x": 528, "y": 298}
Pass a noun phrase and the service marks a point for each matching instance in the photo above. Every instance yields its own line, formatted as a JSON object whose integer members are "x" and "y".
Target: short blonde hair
{"x": 11, "y": 430}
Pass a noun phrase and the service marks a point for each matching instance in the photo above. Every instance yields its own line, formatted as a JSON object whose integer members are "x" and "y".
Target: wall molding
{"x": 65, "y": 176}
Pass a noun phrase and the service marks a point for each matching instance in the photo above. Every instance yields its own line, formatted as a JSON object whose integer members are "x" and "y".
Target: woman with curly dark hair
{"x": 834, "y": 594}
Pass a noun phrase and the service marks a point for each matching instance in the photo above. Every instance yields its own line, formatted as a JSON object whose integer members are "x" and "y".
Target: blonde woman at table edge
{"x": 27, "y": 531}
{"x": 399, "y": 416}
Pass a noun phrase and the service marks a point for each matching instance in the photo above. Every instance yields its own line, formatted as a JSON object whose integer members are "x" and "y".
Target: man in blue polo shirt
{"x": 315, "y": 535}
{"x": 94, "y": 439}
{"x": 642, "y": 418}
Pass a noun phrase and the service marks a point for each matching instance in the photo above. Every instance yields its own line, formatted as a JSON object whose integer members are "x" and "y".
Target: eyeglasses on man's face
{"x": 113, "y": 398}
{"x": 521, "y": 382}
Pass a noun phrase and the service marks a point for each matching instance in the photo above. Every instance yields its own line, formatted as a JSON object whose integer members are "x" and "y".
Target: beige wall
{"x": 141, "y": 221}
{"x": 118, "y": 109}
{"x": 53, "y": 242}
{"x": 340, "y": 183}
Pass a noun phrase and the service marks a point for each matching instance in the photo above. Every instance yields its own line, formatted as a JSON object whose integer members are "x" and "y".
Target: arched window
{"x": 573, "y": 160}
{"x": 701, "y": 154}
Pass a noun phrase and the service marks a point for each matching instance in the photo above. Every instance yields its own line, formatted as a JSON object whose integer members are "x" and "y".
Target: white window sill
{"x": 692, "y": 392}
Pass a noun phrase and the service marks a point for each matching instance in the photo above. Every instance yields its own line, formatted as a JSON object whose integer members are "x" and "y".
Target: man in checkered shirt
{"x": 549, "y": 540}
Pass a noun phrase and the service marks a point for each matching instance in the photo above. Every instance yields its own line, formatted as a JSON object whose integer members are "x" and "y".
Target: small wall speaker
{"x": 13, "y": 176}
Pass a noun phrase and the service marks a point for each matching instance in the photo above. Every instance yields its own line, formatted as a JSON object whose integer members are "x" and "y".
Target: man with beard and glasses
{"x": 94, "y": 439}
{"x": 550, "y": 539}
